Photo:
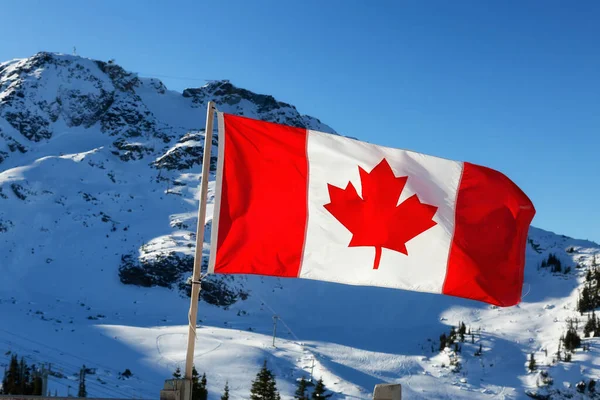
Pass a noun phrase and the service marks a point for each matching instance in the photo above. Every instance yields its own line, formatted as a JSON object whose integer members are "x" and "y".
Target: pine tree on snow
{"x": 225, "y": 395}
{"x": 264, "y": 387}
{"x": 300, "y": 393}
{"x": 320, "y": 391}
{"x": 199, "y": 391}
{"x": 177, "y": 373}
{"x": 82, "y": 392}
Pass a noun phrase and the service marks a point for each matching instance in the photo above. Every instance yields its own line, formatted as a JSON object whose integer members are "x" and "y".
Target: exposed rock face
{"x": 130, "y": 132}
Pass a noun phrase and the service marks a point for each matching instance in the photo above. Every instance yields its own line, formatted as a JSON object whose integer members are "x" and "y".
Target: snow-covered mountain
{"x": 99, "y": 171}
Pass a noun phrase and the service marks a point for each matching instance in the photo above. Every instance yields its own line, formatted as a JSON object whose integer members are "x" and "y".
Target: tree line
{"x": 20, "y": 378}
{"x": 264, "y": 387}
{"x": 589, "y": 298}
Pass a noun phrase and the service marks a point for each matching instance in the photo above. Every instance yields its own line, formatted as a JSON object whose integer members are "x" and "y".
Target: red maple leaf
{"x": 377, "y": 219}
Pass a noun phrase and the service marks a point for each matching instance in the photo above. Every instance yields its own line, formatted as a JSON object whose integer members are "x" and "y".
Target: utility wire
{"x": 63, "y": 371}
{"x": 67, "y": 353}
{"x": 67, "y": 366}
{"x": 101, "y": 389}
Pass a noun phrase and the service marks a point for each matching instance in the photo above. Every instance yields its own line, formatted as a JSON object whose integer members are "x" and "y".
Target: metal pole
{"x": 274, "y": 328}
{"x": 44, "y": 381}
{"x": 193, "y": 314}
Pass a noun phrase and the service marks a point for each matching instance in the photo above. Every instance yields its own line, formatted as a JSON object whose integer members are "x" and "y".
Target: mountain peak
{"x": 48, "y": 92}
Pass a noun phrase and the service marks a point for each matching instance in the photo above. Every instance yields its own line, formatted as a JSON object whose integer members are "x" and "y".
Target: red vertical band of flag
{"x": 263, "y": 209}
{"x": 487, "y": 255}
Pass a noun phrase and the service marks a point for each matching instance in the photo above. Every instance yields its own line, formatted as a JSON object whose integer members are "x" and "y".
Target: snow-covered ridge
{"x": 99, "y": 172}
{"x": 43, "y": 95}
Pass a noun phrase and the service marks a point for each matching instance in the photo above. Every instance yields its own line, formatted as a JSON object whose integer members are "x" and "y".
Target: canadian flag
{"x": 298, "y": 203}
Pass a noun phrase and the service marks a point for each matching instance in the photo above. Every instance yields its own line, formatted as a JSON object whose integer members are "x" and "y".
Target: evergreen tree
{"x": 82, "y": 391}
{"x": 199, "y": 391}
{"x": 586, "y": 301}
{"x": 10, "y": 376}
{"x": 203, "y": 389}
{"x": 225, "y": 395}
{"x": 462, "y": 329}
{"x": 14, "y": 376}
{"x": 177, "y": 373}
{"x": 300, "y": 393}
{"x": 532, "y": 364}
{"x": 320, "y": 391}
{"x": 443, "y": 340}
{"x": 456, "y": 348}
{"x": 23, "y": 375}
{"x": 572, "y": 339}
{"x": 591, "y": 326}
{"x": 553, "y": 262}
{"x": 451, "y": 337}
{"x": 264, "y": 387}
{"x": 195, "y": 379}
{"x": 17, "y": 378}
{"x": 26, "y": 380}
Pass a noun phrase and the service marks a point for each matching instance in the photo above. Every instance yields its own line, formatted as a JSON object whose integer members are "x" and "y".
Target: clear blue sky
{"x": 513, "y": 85}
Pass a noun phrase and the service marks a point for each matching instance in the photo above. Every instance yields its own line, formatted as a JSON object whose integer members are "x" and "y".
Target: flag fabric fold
{"x": 297, "y": 203}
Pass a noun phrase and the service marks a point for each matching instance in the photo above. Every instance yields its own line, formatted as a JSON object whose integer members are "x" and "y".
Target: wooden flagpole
{"x": 196, "y": 284}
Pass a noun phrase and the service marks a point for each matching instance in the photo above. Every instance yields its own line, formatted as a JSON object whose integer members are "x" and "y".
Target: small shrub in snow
{"x": 544, "y": 379}
{"x": 479, "y": 352}
{"x": 125, "y": 374}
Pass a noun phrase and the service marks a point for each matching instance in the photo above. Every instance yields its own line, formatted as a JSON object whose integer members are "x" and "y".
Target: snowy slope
{"x": 99, "y": 172}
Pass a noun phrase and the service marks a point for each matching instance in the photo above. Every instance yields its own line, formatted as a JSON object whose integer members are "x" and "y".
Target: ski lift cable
{"x": 278, "y": 317}
{"x": 69, "y": 369}
{"x": 63, "y": 363}
{"x": 65, "y": 352}
{"x": 91, "y": 383}
{"x": 100, "y": 390}
{"x": 65, "y": 371}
